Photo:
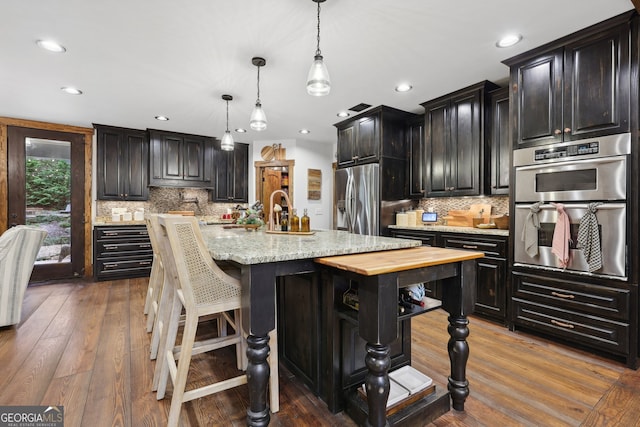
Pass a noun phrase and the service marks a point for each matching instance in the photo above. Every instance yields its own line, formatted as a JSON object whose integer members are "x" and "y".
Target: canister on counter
{"x": 411, "y": 218}
{"x": 419, "y": 213}
{"x": 402, "y": 219}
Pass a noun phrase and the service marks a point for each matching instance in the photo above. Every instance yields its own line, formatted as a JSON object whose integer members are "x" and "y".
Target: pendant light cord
{"x": 227, "y": 116}
{"x": 318, "y": 37}
{"x": 258, "y": 100}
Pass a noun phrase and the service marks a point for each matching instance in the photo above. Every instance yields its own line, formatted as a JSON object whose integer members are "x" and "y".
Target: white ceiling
{"x": 136, "y": 59}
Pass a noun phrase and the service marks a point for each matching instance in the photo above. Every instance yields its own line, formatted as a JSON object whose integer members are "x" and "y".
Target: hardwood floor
{"x": 84, "y": 345}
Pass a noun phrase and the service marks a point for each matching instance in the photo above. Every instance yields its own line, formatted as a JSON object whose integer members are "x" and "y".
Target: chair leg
{"x": 160, "y": 321}
{"x": 167, "y": 343}
{"x": 180, "y": 381}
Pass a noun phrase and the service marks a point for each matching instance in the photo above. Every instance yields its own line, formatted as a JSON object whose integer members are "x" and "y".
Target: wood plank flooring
{"x": 84, "y": 345}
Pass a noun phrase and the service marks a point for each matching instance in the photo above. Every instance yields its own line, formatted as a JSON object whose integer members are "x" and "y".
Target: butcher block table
{"x": 379, "y": 276}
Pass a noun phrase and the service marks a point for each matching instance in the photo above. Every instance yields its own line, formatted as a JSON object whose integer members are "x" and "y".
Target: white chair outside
{"x": 19, "y": 248}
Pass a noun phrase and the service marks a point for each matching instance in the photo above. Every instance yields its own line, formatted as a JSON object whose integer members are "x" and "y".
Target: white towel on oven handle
{"x": 589, "y": 238}
{"x": 530, "y": 230}
{"x": 561, "y": 236}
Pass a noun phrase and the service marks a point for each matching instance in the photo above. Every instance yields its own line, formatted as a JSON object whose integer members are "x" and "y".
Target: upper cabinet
{"x": 415, "y": 162}
{"x": 498, "y": 146}
{"x": 573, "y": 88}
{"x": 123, "y": 158}
{"x": 180, "y": 160}
{"x": 231, "y": 174}
{"x": 454, "y": 127}
{"x": 371, "y": 135}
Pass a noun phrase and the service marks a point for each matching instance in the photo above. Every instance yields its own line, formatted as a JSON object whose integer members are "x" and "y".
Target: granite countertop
{"x": 257, "y": 247}
{"x": 107, "y": 221}
{"x": 450, "y": 229}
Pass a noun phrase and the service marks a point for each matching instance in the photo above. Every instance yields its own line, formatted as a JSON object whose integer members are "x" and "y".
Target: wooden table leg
{"x": 257, "y": 378}
{"x": 458, "y": 355}
{"x": 377, "y": 383}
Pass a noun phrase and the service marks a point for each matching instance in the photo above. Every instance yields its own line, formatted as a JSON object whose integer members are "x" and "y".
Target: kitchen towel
{"x": 561, "y": 236}
{"x": 530, "y": 230}
{"x": 589, "y": 238}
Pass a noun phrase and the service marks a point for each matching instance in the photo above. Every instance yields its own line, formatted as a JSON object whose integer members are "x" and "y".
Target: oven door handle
{"x": 561, "y": 165}
{"x": 571, "y": 205}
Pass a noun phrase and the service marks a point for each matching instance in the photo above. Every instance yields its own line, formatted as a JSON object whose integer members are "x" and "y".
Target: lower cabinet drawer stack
{"x": 122, "y": 251}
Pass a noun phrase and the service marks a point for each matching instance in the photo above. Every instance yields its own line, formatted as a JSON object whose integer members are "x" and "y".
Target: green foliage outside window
{"x": 48, "y": 183}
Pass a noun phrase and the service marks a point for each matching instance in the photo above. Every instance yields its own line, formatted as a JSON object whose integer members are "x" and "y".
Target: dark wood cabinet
{"x": 372, "y": 135}
{"x": 454, "y": 142}
{"x": 574, "y": 88}
{"x": 180, "y": 160}
{"x": 415, "y": 161}
{"x": 121, "y": 251}
{"x": 598, "y": 315}
{"x": 492, "y": 270}
{"x": 231, "y": 174}
{"x": 122, "y": 163}
{"x": 498, "y": 147}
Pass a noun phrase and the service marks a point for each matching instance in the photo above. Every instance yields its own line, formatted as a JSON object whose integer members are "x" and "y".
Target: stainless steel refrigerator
{"x": 359, "y": 205}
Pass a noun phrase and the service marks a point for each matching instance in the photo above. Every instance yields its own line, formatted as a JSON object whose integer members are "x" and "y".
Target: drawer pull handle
{"x": 110, "y": 265}
{"x": 145, "y": 246}
{"x": 110, "y": 247}
{"x": 566, "y": 296}
{"x": 561, "y": 324}
{"x": 106, "y": 233}
{"x": 145, "y": 263}
{"x": 470, "y": 246}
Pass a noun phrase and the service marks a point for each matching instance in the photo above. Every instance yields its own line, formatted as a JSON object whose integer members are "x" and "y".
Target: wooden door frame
{"x": 260, "y": 165}
{"x": 88, "y": 149}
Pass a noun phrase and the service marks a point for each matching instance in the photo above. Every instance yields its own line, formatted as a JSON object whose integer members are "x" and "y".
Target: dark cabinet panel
{"x": 415, "y": 163}
{"x": 122, "y": 163}
{"x": 180, "y": 160}
{"x": 498, "y": 149}
{"x": 574, "y": 88}
{"x": 231, "y": 173}
{"x": 372, "y": 135}
{"x": 454, "y": 142}
{"x": 121, "y": 252}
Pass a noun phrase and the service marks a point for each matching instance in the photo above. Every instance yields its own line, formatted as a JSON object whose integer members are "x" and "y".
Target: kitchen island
{"x": 263, "y": 257}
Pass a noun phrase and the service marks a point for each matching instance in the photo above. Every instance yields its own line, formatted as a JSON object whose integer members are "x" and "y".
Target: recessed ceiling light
{"x": 404, "y": 87}
{"x": 304, "y": 131}
{"x": 343, "y": 114}
{"x": 71, "y": 90}
{"x": 162, "y": 118}
{"x": 509, "y": 40}
{"x": 240, "y": 130}
{"x": 51, "y": 46}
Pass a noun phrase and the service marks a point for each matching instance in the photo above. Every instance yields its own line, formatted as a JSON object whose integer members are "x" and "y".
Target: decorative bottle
{"x": 284, "y": 224}
{"x": 304, "y": 227}
{"x": 294, "y": 222}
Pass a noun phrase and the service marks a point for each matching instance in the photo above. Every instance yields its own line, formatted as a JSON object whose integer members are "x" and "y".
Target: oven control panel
{"x": 574, "y": 150}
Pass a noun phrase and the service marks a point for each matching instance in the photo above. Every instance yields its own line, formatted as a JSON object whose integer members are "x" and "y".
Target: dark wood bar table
{"x": 380, "y": 275}
{"x": 262, "y": 258}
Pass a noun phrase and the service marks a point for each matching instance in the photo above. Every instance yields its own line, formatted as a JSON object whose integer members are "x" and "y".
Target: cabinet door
{"x": 367, "y": 140}
{"x": 596, "y": 97}
{"x": 346, "y": 146}
{"x": 137, "y": 174}
{"x": 465, "y": 145}
{"x": 171, "y": 157}
{"x": 499, "y": 144}
{"x": 491, "y": 287}
{"x": 231, "y": 174}
{"x": 437, "y": 136}
{"x": 240, "y": 173}
{"x": 111, "y": 168}
{"x": 538, "y": 100}
{"x": 194, "y": 159}
{"x": 415, "y": 136}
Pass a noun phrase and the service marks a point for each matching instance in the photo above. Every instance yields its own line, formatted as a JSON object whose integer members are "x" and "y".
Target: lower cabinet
{"x": 121, "y": 252}
{"x": 598, "y": 316}
{"x": 492, "y": 272}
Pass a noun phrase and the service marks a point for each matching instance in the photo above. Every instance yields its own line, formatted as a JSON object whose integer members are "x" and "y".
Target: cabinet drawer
{"x": 126, "y": 267}
{"x": 491, "y": 247}
{"x": 119, "y": 232}
{"x": 117, "y": 249}
{"x": 584, "y": 329}
{"x": 428, "y": 239}
{"x": 602, "y": 301}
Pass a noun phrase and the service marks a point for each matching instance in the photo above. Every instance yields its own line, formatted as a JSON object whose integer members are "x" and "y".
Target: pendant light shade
{"x": 227, "y": 139}
{"x": 258, "y": 120}
{"x": 318, "y": 81}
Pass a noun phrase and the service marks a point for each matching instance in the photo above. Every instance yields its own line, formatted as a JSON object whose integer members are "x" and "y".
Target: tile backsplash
{"x": 162, "y": 200}
{"x": 442, "y": 205}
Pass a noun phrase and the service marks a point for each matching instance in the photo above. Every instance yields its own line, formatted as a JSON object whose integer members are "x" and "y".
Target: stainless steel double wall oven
{"x": 578, "y": 175}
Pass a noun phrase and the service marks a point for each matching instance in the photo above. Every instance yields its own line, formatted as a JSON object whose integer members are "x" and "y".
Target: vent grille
{"x": 359, "y": 107}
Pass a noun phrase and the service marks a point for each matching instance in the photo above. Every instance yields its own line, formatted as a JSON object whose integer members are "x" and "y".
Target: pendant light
{"x": 258, "y": 118}
{"x": 318, "y": 82}
{"x": 227, "y": 140}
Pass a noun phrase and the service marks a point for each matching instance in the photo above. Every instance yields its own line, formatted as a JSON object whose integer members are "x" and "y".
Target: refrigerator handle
{"x": 349, "y": 203}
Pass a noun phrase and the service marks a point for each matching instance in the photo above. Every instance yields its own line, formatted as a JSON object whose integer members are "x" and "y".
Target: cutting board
{"x": 464, "y": 218}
